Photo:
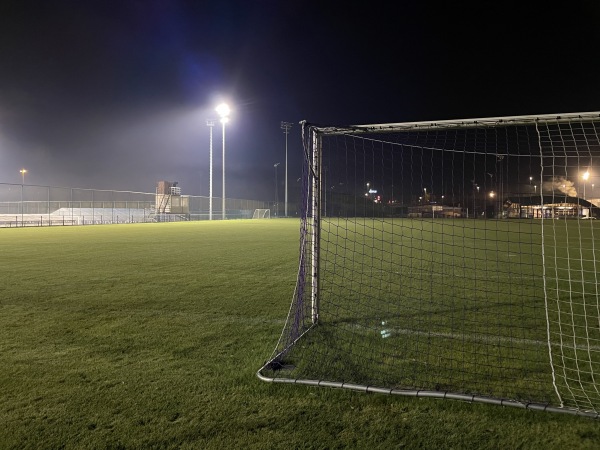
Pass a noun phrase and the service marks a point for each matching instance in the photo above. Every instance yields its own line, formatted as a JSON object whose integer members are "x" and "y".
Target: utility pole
{"x": 286, "y": 126}
{"x": 210, "y": 123}
{"x": 223, "y": 111}
{"x": 276, "y": 191}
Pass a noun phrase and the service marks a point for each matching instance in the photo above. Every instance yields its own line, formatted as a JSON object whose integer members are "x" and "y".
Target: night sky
{"x": 116, "y": 94}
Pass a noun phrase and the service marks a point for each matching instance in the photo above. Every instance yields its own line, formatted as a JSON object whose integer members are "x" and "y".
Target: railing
{"x": 33, "y": 205}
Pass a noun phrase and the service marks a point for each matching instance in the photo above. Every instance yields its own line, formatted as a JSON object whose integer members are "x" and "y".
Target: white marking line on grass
{"x": 454, "y": 275}
{"x": 487, "y": 339}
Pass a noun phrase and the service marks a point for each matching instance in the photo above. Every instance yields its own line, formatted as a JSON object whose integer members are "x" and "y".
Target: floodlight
{"x": 223, "y": 110}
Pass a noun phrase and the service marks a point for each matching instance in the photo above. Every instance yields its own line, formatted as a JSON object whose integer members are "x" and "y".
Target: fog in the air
{"x": 132, "y": 150}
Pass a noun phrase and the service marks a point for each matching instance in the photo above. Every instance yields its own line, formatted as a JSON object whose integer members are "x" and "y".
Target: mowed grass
{"x": 149, "y": 336}
{"x": 461, "y": 304}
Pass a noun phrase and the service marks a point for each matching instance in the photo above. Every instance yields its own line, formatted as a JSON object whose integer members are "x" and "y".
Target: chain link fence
{"x": 31, "y": 205}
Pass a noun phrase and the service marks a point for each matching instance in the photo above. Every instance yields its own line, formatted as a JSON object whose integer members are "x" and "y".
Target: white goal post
{"x": 261, "y": 214}
{"x": 450, "y": 259}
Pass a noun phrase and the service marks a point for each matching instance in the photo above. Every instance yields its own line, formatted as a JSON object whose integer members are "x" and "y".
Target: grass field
{"x": 149, "y": 336}
{"x": 461, "y": 306}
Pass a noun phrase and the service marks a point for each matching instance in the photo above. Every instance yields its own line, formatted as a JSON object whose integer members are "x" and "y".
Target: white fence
{"x": 32, "y": 205}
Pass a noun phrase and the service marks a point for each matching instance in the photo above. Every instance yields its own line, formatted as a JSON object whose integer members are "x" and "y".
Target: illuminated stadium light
{"x": 223, "y": 110}
{"x": 585, "y": 176}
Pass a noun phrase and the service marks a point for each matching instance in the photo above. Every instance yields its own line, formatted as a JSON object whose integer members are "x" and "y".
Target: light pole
{"x": 210, "y": 123}
{"x": 223, "y": 111}
{"x": 585, "y": 177}
{"x": 530, "y": 184}
{"x": 276, "y": 191}
{"x": 285, "y": 126}
{"x": 23, "y": 172}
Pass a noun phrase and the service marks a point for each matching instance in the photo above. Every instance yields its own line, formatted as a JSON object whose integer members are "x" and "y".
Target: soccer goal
{"x": 261, "y": 214}
{"x": 450, "y": 259}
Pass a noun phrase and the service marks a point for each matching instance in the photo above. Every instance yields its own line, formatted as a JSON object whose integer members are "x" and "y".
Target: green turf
{"x": 149, "y": 336}
{"x": 462, "y": 305}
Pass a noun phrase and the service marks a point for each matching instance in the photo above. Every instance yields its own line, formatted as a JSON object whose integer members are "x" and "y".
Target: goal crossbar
{"x": 453, "y": 124}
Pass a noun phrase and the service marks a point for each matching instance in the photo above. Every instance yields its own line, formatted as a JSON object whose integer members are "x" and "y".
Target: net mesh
{"x": 453, "y": 258}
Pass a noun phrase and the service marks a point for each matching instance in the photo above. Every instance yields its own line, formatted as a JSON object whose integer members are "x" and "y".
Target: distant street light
{"x": 223, "y": 111}
{"x": 210, "y": 123}
{"x": 285, "y": 126}
{"x": 585, "y": 176}
{"x": 23, "y": 172}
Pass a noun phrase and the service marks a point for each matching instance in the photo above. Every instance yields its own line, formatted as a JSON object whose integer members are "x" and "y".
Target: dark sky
{"x": 115, "y": 94}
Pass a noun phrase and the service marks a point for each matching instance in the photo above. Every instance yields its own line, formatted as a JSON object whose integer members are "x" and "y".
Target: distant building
{"x": 549, "y": 206}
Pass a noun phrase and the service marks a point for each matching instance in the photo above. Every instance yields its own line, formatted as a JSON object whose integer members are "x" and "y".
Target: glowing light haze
{"x": 116, "y": 94}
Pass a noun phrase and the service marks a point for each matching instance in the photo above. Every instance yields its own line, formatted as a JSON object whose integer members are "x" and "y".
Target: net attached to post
{"x": 261, "y": 214}
{"x": 450, "y": 259}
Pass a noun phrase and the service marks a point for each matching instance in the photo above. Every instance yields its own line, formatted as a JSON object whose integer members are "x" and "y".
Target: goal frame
{"x": 313, "y": 139}
{"x": 260, "y": 213}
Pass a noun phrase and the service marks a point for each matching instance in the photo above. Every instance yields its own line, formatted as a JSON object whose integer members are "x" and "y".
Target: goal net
{"x": 451, "y": 259}
{"x": 261, "y": 214}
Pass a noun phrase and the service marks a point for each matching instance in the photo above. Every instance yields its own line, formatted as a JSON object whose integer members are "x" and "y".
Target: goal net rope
{"x": 451, "y": 259}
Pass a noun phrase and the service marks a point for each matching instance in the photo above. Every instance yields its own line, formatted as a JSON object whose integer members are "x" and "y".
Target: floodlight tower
{"x": 23, "y": 172}
{"x": 223, "y": 111}
{"x": 285, "y": 126}
{"x": 210, "y": 123}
